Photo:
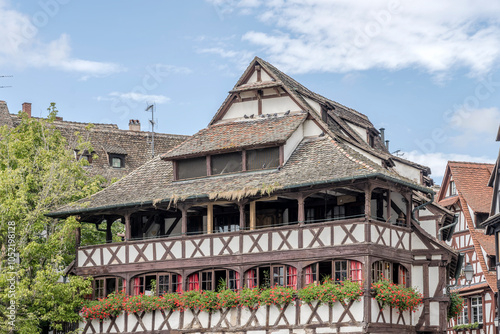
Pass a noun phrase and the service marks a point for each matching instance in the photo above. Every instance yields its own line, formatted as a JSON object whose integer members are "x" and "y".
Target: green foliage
{"x": 456, "y": 305}
{"x": 396, "y": 296}
{"x": 249, "y": 298}
{"x": 277, "y": 295}
{"x": 466, "y": 326}
{"x": 38, "y": 173}
{"x": 330, "y": 292}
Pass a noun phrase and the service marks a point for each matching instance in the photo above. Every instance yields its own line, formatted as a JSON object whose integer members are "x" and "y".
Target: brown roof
{"x": 315, "y": 161}
{"x": 106, "y": 139}
{"x": 449, "y": 201}
{"x": 471, "y": 180}
{"x": 487, "y": 242}
{"x": 238, "y": 134}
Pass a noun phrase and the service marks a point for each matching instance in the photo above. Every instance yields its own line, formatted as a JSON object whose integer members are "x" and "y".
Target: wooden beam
{"x": 301, "y": 207}
{"x": 128, "y": 230}
{"x": 259, "y": 75}
{"x": 184, "y": 220}
{"x": 241, "y": 207}
{"x": 210, "y": 218}
{"x": 253, "y": 215}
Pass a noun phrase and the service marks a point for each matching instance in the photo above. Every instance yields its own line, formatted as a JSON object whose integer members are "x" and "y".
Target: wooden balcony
{"x": 285, "y": 243}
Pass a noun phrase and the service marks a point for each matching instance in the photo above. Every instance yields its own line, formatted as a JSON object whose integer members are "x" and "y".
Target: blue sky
{"x": 427, "y": 71}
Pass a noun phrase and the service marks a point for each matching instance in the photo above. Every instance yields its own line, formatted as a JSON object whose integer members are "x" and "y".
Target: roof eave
{"x": 67, "y": 213}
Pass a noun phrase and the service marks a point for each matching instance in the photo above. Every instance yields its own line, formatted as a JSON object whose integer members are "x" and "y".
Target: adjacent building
{"x": 465, "y": 192}
{"x": 115, "y": 152}
{"x": 283, "y": 187}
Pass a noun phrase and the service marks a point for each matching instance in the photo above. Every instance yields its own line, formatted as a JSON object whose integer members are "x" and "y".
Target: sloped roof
{"x": 471, "y": 180}
{"x": 315, "y": 161}
{"x": 238, "y": 134}
{"x": 449, "y": 201}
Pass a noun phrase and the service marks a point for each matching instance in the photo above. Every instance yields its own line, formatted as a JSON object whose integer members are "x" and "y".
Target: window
{"x": 117, "y": 160}
{"x": 191, "y": 168}
{"x": 463, "y": 317}
{"x": 106, "y": 285}
{"x": 83, "y": 155}
{"x": 265, "y": 158}
{"x": 476, "y": 309}
{"x": 211, "y": 279}
{"x": 393, "y": 272}
{"x": 226, "y": 163}
{"x": 453, "y": 188}
{"x": 157, "y": 283}
{"x": 274, "y": 275}
{"x": 338, "y": 270}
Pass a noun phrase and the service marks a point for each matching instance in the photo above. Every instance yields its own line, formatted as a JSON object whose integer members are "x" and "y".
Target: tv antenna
{"x": 151, "y": 108}
{"x": 6, "y": 76}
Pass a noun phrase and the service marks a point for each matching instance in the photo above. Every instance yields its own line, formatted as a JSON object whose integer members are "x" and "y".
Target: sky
{"x": 426, "y": 71}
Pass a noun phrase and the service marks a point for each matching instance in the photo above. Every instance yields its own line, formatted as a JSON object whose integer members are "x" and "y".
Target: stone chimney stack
{"x": 134, "y": 125}
{"x": 27, "y": 108}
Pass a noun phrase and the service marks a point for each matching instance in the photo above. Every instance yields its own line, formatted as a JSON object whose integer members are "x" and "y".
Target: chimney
{"x": 27, "y": 108}
{"x": 134, "y": 125}
{"x": 382, "y": 134}
{"x": 387, "y": 144}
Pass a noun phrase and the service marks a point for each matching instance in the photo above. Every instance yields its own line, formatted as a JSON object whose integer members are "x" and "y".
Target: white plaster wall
{"x": 429, "y": 226}
{"x": 253, "y": 77}
{"x": 417, "y": 277}
{"x": 311, "y": 129}
{"x": 315, "y": 105}
{"x": 292, "y": 142}
{"x": 434, "y": 313}
{"x": 238, "y": 110}
{"x": 366, "y": 154}
{"x": 278, "y": 105}
{"x": 407, "y": 171}
{"x": 263, "y": 76}
{"x": 433, "y": 279}
{"x": 359, "y": 130}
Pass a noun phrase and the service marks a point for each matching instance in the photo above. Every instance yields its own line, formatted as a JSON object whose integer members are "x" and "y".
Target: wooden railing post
{"x": 210, "y": 218}
{"x": 301, "y": 207}
{"x": 128, "y": 230}
{"x": 253, "y": 215}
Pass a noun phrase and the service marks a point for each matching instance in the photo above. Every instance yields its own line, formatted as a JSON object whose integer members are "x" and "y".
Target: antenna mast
{"x": 152, "y": 121}
{"x": 6, "y": 76}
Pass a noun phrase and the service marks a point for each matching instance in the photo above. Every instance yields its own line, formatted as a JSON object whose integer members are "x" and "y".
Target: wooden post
{"x": 128, "y": 230}
{"x": 368, "y": 201}
{"x": 78, "y": 233}
{"x": 184, "y": 219}
{"x": 301, "y": 214}
{"x": 210, "y": 218}
{"x": 388, "y": 205}
{"x": 408, "y": 209}
{"x": 253, "y": 215}
{"x": 241, "y": 207}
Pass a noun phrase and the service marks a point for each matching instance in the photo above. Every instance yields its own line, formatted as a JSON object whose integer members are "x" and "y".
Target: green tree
{"x": 38, "y": 173}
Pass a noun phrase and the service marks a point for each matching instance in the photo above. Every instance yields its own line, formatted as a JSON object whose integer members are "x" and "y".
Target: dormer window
{"x": 453, "y": 188}
{"x": 234, "y": 162}
{"x": 117, "y": 160}
{"x": 83, "y": 155}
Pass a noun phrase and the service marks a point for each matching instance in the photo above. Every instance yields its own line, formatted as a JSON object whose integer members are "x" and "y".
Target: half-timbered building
{"x": 492, "y": 224}
{"x": 284, "y": 187}
{"x": 465, "y": 191}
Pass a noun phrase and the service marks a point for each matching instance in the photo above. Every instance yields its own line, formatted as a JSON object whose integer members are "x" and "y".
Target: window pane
{"x": 265, "y": 158}
{"x": 116, "y": 162}
{"x": 190, "y": 168}
{"x": 226, "y": 163}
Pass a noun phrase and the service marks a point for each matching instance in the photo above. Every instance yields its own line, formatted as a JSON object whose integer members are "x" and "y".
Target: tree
{"x": 38, "y": 173}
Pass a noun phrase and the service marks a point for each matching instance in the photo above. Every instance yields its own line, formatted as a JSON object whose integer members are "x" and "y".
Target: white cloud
{"x": 135, "y": 97}
{"x": 346, "y": 35}
{"x": 22, "y": 47}
{"x": 437, "y": 161}
{"x": 241, "y": 57}
{"x": 475, "y": 126}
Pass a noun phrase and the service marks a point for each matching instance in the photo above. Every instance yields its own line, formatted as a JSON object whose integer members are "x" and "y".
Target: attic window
{"x": 226, "y": 163}
{"x": 191, "y": 168}
{"x": 117, "y": 160}
{"x": 84, "y": 155}
{"x": 265, "y": 158}
{"x": 453, "y": 188}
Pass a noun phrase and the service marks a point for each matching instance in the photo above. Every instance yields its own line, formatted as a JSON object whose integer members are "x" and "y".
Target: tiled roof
{"x": 449, "y": 201}
{"x": 106, "y": 139}
{"x": 471, "y": 180}
{"x": 239, "y": 134}
{"x": 486, "y": 241}
{"x": 315, "y": 161}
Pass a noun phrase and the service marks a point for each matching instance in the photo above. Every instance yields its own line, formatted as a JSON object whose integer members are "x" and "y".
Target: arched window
{"x": 272, "y": 275}
{"x": 211, "y": 279}
{"x": 103, "y": 286}
{"x": 393, "y": 272}
{"x": 338, "y": 270}
{"x": 157, "y": 283}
